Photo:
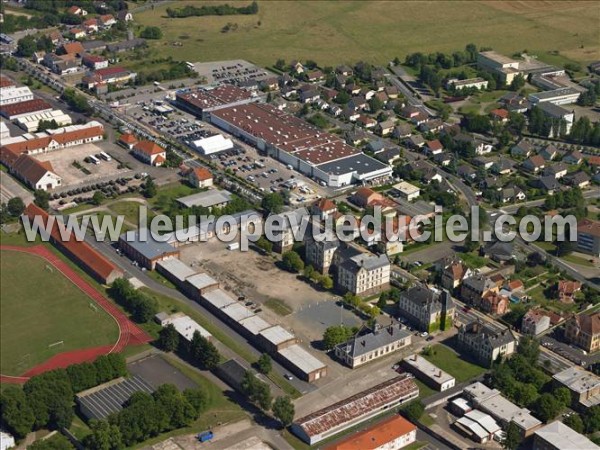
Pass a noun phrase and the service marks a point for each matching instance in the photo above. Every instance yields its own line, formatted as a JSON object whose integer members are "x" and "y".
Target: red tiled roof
{"x": 537, "y": 161}
{"x": 202, "y": 174}
{"x": 376, "y": 436}
{"x": 73, "y": 47}
{"x": 593, "y": 160}
{"x": 159, "y": 160}
{"x": 30, "y": 169}
{"x": 73, "y": 9}
{"x": 60, "y": 138}
{"x": 566, "y": 287}
{"x": 502, "y": 113}
{"x": 589, "y": 226}
{"x": 128, "y": 138}
{"x": 81, "y": 250}
{"x": 107, "y": 72}
{"x": 6, "y": 82}
{"x": 589, "y": 324}
{"x": 106, "y": 17}
{"x": 435, "y": 145}
{"x": 325, "y": 205}
{"x": 29, "y": 106}
{"x": 148, "y": 148}
{"x": 515, "y": 284}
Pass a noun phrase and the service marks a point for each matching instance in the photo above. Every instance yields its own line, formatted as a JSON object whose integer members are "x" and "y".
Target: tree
{"x": 15, "y": 412}
{"x": 283, "y": 410}
{"x": 512, "y": 438}
{"x": 591, "y": 419}
{"x": 309, "y": 272}
{"x": 197, "y": 398}
{"x": 529, "y": 348}
{"x": 15, "y": 206}
{"x": 149, "y": 190}
{"x": 517, "y": 83}
{"x": 97, "y": 198}
{"x": 204, "y": 351}
{"x": 414, "y": 411}
{"x": 375, "y": 104}
{"x": 26, "y": 46}
{"x": 547, "y": 407}
{"x": 335, "y": 335}
{"x": 291, "y": 261}
{"x": 563, "y": 395}
{"x": 265, "y": 245}
{"x": 257, "y": 391}
{"x": 280, "y": 64}
{"x": 264, "y": 364}
{"x": 326, "y": 282}
{"x": 151, "y": 33}
{"x": 104, "y": 436}
{"x": 574, "y": 422}
{"x": 272, "y": 203}
{"x": 168, "y": 338}
{"x": 41, "y": 198}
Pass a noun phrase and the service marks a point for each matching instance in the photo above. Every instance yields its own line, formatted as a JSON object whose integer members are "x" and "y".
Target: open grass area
{"x": 473, "y": 261}
{"x": 130, "y": 211}
{"x": 166, "y": 194}
{"x": 341, "y": 32}
{"x": 220, "y": 411}
{"x": 450, "y": 362}
{"x": 41, "y": 307}
{"x": 574, "y": 259}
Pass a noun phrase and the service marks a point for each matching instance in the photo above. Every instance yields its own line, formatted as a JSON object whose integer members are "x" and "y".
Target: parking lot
{"x": 157, "y": 371}
{"x": 63, "y": 163}
{"x": 234, "y": 71}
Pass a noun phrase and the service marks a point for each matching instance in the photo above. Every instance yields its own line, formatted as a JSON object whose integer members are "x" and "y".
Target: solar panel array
{"x": 104, "y": 402}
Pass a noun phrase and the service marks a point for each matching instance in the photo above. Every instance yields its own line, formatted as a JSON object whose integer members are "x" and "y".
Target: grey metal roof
{"x": 302, "y": 359}
{"x": 177, "y": 268}
{"x": 366, "y": 343}
{"x": 100, "y": 402}
{"x": 206, "y": 199}
{"x": 425, "y": 297}
{"x": 152, "y": 247}
{"x": 555, "y": 93}
{"x": 361, "y": 164}
{"x": 562, "y": 437}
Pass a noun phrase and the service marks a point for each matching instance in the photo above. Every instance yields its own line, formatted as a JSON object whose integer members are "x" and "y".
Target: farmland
{"x": 343, "y": 32}
{"x": 35, "y": 300}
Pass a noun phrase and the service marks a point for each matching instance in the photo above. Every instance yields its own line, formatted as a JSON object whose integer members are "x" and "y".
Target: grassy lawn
{"x": 221, "y": 410}
{"x": 548, "y": 246}
{"x": 31, "y": 322}
{"x": 169, "y": 192}
{"x": 473, "y": 261}
{"x": 171, "y": 305}
{"x": 130, "y": 211}
{"x": 415, "y": 446}
{"x": 278, "y": 306}
{"x": 450, "y": 362}
{"x": 79, "y": 428}
{"x": 424, "y": 390}
{"x": 160, "y": 279}
{"x": 344, "y": 32}
{"x": 573, "y": 259}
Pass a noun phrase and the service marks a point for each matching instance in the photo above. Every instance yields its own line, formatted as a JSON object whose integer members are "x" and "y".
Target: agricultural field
{"x": 343, "y": 32}
{"x": 33, "y": 314}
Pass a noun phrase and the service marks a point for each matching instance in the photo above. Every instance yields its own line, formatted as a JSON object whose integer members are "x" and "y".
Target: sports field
{"x": 333, "y": 32}
{"x": 40, "y": 307}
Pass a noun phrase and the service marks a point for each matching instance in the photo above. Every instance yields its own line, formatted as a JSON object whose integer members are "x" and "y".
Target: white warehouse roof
{"x": 300, "y": 358}
{"x": 237, "y": 312}
{"x": 218, "y": 298}
{"x": 277, "y": 335}
{"x": 213, "y": 144}
{"x": 186, "y": 327}
{"x": 254, "y": 324}
{"x": 177, "y": 268}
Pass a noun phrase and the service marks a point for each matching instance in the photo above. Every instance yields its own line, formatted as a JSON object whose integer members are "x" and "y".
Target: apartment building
{"x": 588, "y": 237}
{"x": 426, "y": 308}
{"x": 286, "y": 227}
{"x": 320, "y": 250}
{"x": 584, "y": 331}
{"x": 362, "y": 273}
{"x": 485, "y": 343}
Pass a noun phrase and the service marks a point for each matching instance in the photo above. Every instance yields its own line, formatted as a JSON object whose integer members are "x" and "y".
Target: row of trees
{"x": 141, "y": 306}
{"x": 216, "y": 10}
{"x": 76, "y": 101}
{"x": 147, "y": 415}
{"x": 582, "y": 131}
{"x": 259, "y": 393}
{"x": 46, "y": 400}
{"x": 11, "y": 210}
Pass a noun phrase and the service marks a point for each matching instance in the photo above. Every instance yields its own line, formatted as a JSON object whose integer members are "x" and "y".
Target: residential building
{"x": 200, "y": 177}
{"x": 370, "y": 345}
{"x": 429, "y": 373}
{"x": 453, "y": 274}
{"x": 356, "y": 409}
{"x": 578, "y": 179}
{"x": 583, "y": 330}
{"x": 490, "y": 401}
{"x": 128, "y": 140}
{"x": 71, "y": 48}
{"x": 499, "y": 115}
{"x": 62, "y": 64}
{"x": 567, "y": 289}
{"x": 534, "y": 164}
{"x": 392, "y": 433}
{"x": 320, "y": 250}
{"x": 583, "y": 385}
{"x": 386, "y": 127}
{"x": 558, "y": 436}
{"x": 124, "y": 16}
{"x": 109, "y": 75}
{"x": 523, "y": 148}
{"x": 588, "y": 237}
{"x": 427, "y": 309}
{"x": 150, "y": 153}
{"x": 288, "y": 225}
{"x": 485, "y": 343}
{"x": 475, "y": 287}
{"x": 557, "y": 170}
{"x": 535, "y": 322}
{"x": 407, "y": 191}
{"x": 434, "y": 147}
{"x": 94, "y": 62}
{"x": 562, "y": 118}
{"x": 494, "y": 303}
{"x": 361, "y": 273}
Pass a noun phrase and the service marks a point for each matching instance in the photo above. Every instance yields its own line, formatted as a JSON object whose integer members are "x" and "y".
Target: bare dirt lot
{"x": 62, "y": 162}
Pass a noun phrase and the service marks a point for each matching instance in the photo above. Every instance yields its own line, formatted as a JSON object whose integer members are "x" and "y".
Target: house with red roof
{"x": 200, "y": 177}
{"x": 499, "y": 115}
{"x": 434, "y": 147}
{"x": 150, "y": 153}
{"x": 566, "y": 290}
{"x": 90, "y": 25}
{"x": 107, "y": 20}
{"x": 35, "y": 174}
{"x": 94, "y": 62}
{"x": 77, "y": 11}
{"x": 109, "y": 75}
{"x": 128, "y": 140}
{"x": 323, "y": 208}
{"x": 71, "y": 48}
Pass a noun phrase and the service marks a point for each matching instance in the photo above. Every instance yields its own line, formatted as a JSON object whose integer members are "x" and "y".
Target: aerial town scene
{"x": 278, "y": 225}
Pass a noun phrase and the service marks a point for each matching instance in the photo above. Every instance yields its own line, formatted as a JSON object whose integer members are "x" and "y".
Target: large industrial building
{"x": 203, "y": 102}
{"x": 317, "y": 154}
{"x": 354, "y": 410}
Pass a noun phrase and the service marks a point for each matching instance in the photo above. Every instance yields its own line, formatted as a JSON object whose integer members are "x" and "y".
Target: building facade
{"x": 427, "y": 309}
{"x": 484, "y": 343}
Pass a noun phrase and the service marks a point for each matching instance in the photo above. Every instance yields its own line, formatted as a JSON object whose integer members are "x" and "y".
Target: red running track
{"x": 129, "y": 333}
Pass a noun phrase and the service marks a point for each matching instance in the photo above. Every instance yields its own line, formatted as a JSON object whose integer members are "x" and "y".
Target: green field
{"x": 346, "y": 31}
{"x": 452, "y": 363}
{"x": 40, "y": 307}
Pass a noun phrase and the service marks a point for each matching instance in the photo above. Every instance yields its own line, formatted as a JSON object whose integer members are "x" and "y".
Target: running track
{"x": 129, "y": 333}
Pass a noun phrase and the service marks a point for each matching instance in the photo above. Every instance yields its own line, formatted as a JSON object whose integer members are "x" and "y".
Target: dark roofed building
{"x": 485, "y": 343}
{"x": 428, "y": 309}
{"x": 145, "y": 248}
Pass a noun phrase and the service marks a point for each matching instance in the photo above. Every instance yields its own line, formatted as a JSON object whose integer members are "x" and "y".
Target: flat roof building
{"x": 15, "y": 94}
{"x": 277, "y": 338}
{"x": 175, "y": 270}
{"x": 253, "y": 325}
{"x": 199, "y": 284}
{"x": 213, "y": 144}
{"x": 302, "y": 363}
{"x": 218, "y": 299}
{"x": 202, "y": 102}
{"x": 145, "y": 248}
{"x": 213, "y": 198}
{"x": 429, "y": 373}
{"x": 351, "y": 411}
{"x": 584, "y": 386}
{"x": 407, "y": 191}
{"x": 562, "y": 96}
{"x": 558, "y": 436}
{"x": 185, "y": 325}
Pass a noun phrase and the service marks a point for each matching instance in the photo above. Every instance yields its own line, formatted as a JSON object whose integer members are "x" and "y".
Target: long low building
{"x": 203, "y": 102}
{"x": 562, "y": 96}
{"x": 293, "y": 141}
{"x": 183, "y": 324}
{"x": 213, "y": 144}
{"x": 347, "y": 413}
{"x": 302, "y": 363}
{"x": 16, "y": 110}
{"x": 31, "y": 123}
{"x": 429, "y": 373}
{"x": 145, "y": 248}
